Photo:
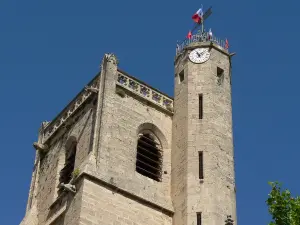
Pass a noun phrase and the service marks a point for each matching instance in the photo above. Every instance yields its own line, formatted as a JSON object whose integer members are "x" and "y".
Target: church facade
{"x": 123, "y": 152}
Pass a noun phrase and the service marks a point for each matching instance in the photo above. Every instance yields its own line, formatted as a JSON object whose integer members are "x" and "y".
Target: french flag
{"x": 226, "y": 44}
{"x": 197, "y": 17}
{"x": 189, "y": 36}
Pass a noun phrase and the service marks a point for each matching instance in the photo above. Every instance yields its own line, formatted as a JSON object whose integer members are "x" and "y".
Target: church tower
{"x": 122, "y": 152}
{"x": 203, "y": 180}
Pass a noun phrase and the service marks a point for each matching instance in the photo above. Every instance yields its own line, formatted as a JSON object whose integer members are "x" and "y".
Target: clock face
{"x": 199, "y": 55}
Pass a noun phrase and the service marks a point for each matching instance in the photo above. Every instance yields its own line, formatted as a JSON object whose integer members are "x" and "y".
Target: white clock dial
{"x": 199, "y": 55}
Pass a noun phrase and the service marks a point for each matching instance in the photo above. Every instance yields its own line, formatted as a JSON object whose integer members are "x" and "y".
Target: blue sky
{"x": 50, "y": 49}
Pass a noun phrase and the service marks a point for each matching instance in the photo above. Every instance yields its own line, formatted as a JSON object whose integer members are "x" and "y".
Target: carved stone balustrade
{"x": 145, "y": 91}
{"x": 123, "y": 80}
{"x": 62, "y": 118}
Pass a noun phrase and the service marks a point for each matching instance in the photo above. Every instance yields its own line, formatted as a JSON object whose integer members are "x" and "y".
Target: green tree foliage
{"x": 284, "y": 209}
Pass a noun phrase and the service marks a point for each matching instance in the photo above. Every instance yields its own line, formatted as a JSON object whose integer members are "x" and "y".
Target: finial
{"x": 110, "y": 57}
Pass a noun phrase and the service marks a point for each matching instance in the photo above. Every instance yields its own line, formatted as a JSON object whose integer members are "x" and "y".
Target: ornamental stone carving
{"x": 65, "y": 116}
{"x": 68, "y": 187}
{"x": 40, "y": 147}
{"x": 145, "y": 92}
{"x": 110, "y": 57}
{"x": 45, "y": 124}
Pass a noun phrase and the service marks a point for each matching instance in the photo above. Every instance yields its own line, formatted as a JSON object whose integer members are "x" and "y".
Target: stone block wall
{"x": 53, "y": 161}
{"x": 110, "y": 191}
{"x": 103, "y": 206}
{"x": 122, "y": 118}
{"x": 213, "y": 196}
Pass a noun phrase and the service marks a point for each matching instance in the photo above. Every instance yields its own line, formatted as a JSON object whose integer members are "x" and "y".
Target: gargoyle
{"x": 40, "y": 147}
{"x": 92, "y": 89}
{"x": 68, "y": 187}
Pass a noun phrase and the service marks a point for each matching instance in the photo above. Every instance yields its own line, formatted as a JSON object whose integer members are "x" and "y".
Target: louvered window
{"x": 149, "y": 157}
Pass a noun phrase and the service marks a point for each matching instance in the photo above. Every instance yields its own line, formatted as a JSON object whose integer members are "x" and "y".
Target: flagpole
{"x": 202, "y": 19}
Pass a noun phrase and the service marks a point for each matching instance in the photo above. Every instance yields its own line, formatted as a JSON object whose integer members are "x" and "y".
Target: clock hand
{"x": 200, "y": 54}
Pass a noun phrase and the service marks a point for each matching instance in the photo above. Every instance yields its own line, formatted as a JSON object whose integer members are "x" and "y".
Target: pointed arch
{"x": 149, "y": 151}
{"x": 151, "y": 128}
{"x": 69, "y": 160}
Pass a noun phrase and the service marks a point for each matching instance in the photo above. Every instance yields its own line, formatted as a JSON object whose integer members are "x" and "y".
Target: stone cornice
{"x": 115, "y": 189}
{"x": 124, "y": 80}
{"x": 208, "y": 44}
{"x": 69, "y": 110}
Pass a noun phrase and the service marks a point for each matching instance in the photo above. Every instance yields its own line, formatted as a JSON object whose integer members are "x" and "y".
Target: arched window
{"x": 149, "y": 156}
{"x": 66, "y": 172}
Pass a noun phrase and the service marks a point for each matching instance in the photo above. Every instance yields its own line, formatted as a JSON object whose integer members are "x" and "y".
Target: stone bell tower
{"x": 203, "y": 180}
{"x": 124, "y": 152}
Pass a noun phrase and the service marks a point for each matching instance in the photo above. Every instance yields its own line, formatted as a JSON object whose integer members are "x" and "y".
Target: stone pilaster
{"x": 107, "y": 85}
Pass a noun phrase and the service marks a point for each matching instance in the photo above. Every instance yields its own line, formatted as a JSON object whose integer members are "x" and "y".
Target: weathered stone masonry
{"x": 106, "y": 119}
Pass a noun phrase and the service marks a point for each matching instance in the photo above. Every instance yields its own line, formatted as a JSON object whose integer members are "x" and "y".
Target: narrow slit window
{"x": 181, "y": 76}
{"x": 220, "y": 76}
{"x": 199, "y": 218}
{"x": 200, "y": 106}
{"x": 201, "y": 174}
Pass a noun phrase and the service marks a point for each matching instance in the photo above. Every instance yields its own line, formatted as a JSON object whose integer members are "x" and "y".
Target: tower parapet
{"x": 201, "y": 37}
{"x": 145, "y": 91}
